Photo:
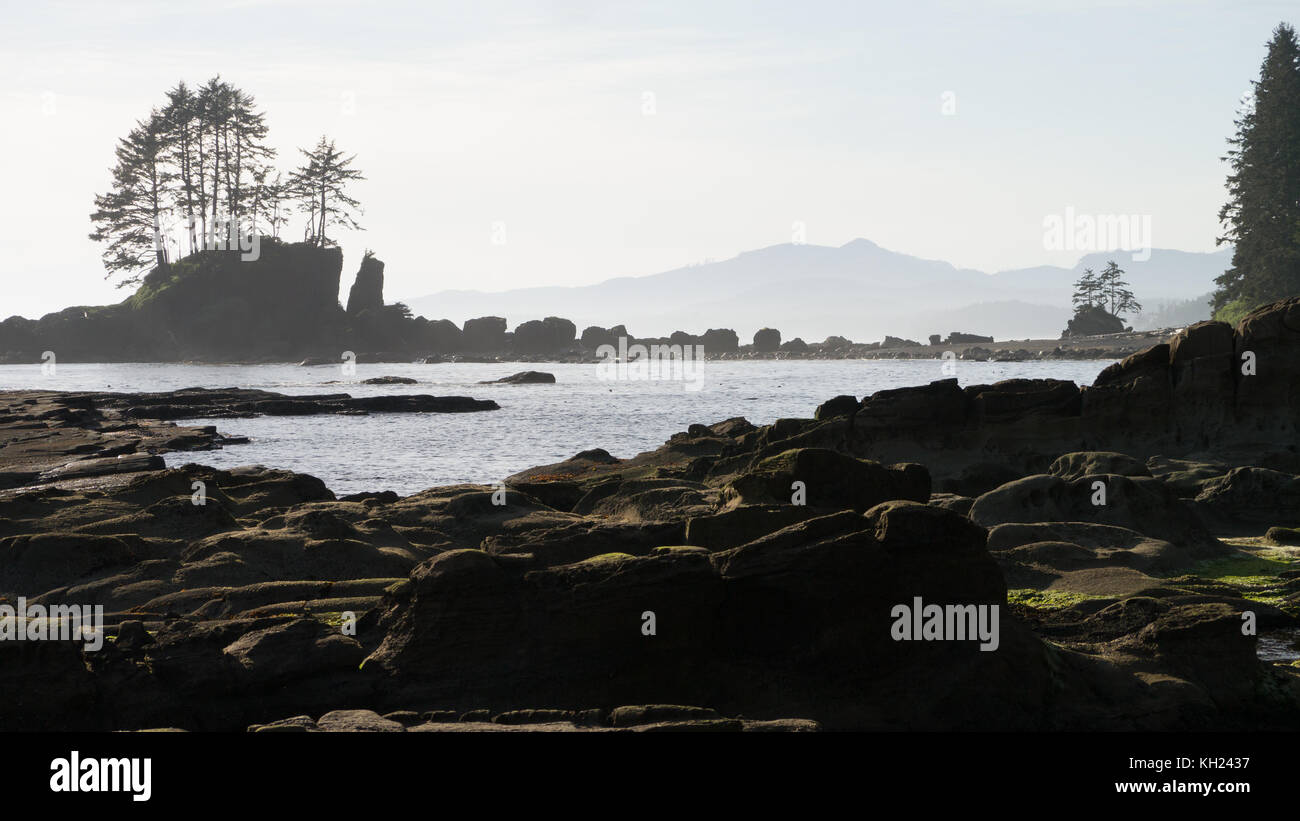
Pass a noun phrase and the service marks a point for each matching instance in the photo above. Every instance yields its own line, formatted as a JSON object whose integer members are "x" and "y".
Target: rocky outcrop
{"x": 1092, "y": 320}
{"x": 486, "y": 333}
{"x": 548, "y": 335}
{"x": 767, "y": 340}
{"x": 959, "y": 338}
{"x": 212, "y": 305}
{"x": 523, "y": 378}
{"x": 367, "y": 292}
{"x": 720, "y": 340}
{"x": 594, "y": 336}
{"x": 389, "y": 380}
{"x": 827, "y": 480}
{"x": 899, "y": 342}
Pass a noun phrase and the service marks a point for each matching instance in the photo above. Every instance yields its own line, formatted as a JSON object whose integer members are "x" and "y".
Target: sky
{"x": 515, "y": 144}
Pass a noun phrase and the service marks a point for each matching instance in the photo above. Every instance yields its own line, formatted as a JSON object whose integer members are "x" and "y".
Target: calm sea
{"x": 537, "y": 424}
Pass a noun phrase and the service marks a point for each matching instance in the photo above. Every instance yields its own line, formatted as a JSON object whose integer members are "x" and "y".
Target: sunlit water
{"x": 536, "y": 425}
{"x": 1280, "y": 645}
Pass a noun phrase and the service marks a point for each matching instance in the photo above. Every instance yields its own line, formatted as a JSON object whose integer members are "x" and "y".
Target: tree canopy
{"x": 1107, "y": 290}
{"x": 202, "y": 161}
{"x": 1262, "y": 215}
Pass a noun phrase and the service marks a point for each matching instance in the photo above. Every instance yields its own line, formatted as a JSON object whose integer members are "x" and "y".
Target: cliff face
{"x": 208, "y": 306}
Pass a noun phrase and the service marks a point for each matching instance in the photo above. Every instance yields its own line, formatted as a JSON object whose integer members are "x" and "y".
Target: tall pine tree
{"x": 1262, "y": 215}
{"x": 319, "y": 186}
{"x": 129, "y": 217}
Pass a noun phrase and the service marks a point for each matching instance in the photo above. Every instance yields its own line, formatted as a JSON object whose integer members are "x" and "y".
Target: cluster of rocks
{"x": 645, "y": 718}
{"x": 751, "y": 570}
{"x": 959, "y": 338}
{"x": 49, "y": 436}
{"x": 284, "y": 307}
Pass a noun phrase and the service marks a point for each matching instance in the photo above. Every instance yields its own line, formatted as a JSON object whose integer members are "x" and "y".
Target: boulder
{"x": 959, "y": 338}
{"x": 939, "y": 404}
{"x": 843, "y": 405}
{"x": 523, "y": 378}
{"x": 1086, "y": 463}
{"x": 486, "y": 333}
{"x": 1140, "y": 504}
{"x": 1268, "y": 402}
{"x": 442, "y": 336}
{"x": 544, "y": 336}
{"x": 1252, "y": 496}
{"x": 831, "y": 480}
{"x": 720, "y": 340}
{"x": 740, "y": 525}
{"x": 389, "y": 380}
{"x": 357, "y": 721}
{"x": 767, "y": 340}
{"x": 1014, "y": 399}
{"x": 898, "y": 342}
{"x": 1091, "y": 320}
{"x": 1204, "y": 382}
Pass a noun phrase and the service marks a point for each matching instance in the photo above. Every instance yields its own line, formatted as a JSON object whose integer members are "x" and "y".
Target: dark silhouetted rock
{"x": 486, "y": 333}
{"x": 832, "y": 480}
{"x": 720, "y": 340}
{"x": 959, "y": 338}
{"x": 389, "y": 380}
{"x": 523, "y": 378}
{"x": 593, "y": 337}
{"x": 1091, "y": 320}
{"x": 897, "y": 342}
{"x": 367, "y": 292}
{"x": 767, "y": 340}
{"x": 843, "y": 405}
{"x": 439, "y": 336}
{"x": 940, "y": 403}
{"x": 548, "y": 335}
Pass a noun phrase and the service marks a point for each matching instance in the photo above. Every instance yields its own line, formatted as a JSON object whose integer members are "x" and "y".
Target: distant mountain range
{"x": 858, "y": 290}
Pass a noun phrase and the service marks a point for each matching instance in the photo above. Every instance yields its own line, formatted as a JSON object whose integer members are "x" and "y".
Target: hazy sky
{"x": 535, "y": 115}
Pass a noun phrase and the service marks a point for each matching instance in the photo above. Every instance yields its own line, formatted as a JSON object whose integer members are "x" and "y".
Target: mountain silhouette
{"x": 859, "y": 290}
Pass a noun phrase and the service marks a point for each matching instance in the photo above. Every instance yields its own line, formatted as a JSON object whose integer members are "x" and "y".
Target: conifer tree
{"x": 319, "y": 186}
{"x": 129, "y": 218}
{"x": 1262, "y": 215}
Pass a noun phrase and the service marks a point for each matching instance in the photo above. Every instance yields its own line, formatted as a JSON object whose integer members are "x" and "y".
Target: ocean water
{"x": 536, "y": 425}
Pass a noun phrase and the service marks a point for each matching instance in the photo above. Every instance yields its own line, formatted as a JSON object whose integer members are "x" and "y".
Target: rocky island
{"x": 1132, "y": 539}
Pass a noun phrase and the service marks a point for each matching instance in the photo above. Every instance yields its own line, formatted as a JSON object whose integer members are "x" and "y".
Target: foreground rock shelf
{"x": 752, "y": 571}
{"x": 48, "y": 436}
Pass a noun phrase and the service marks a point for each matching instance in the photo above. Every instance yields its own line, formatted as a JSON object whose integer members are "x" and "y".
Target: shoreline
{"x": 1110, "y": 346}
